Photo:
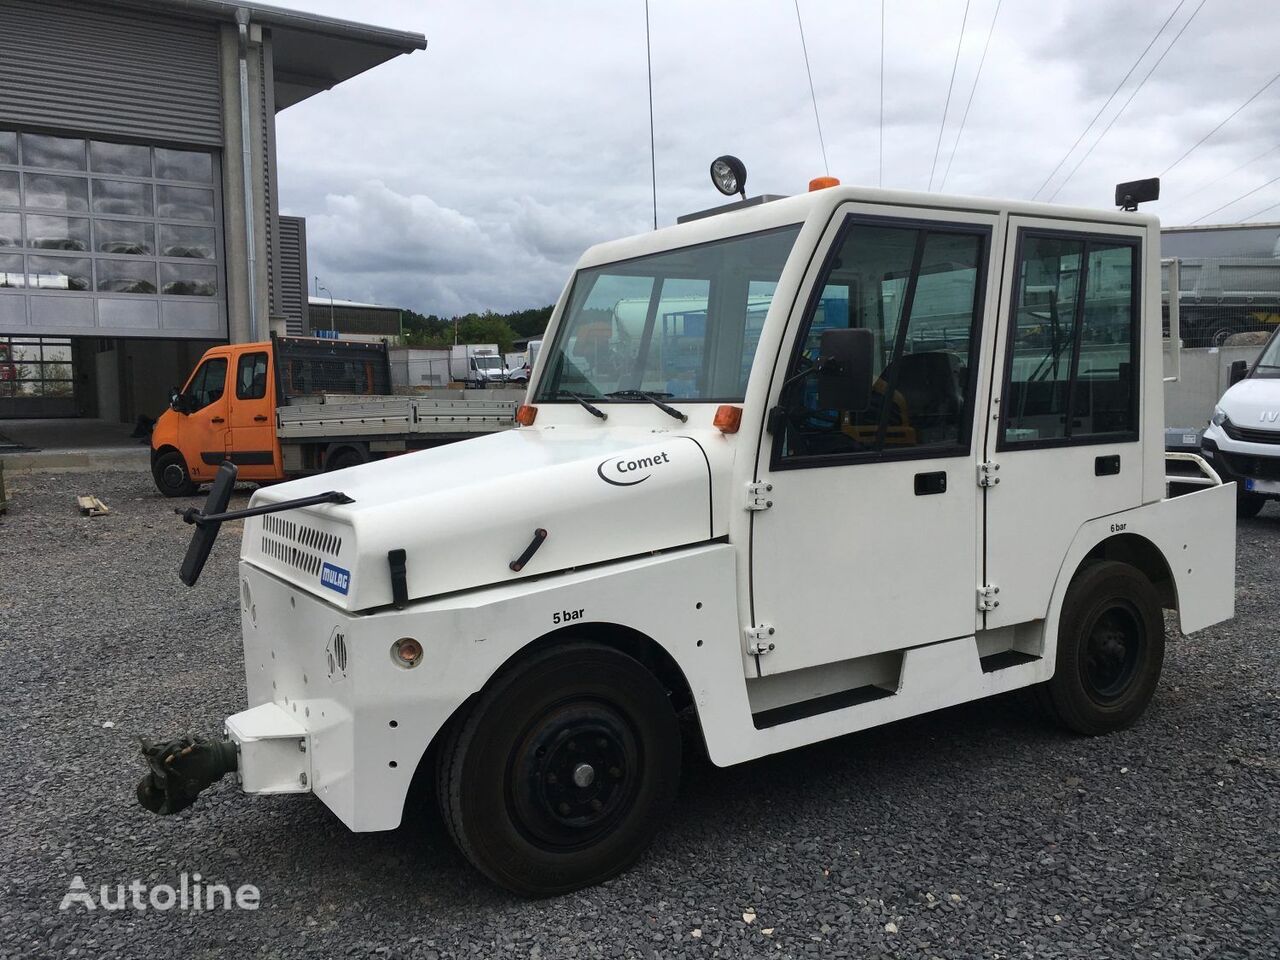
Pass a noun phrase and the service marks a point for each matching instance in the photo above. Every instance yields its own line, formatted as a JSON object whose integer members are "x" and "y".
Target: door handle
{"x": 1106, "y": 466}
{"x": 260, "y": 418}
{"x": 929, "y": 483}
{"x": 217, "y": 420}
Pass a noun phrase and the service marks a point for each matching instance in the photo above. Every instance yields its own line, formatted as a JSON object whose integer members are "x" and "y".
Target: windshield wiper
{"x": 587, "y": 405}
{"x": 654, "y": 398}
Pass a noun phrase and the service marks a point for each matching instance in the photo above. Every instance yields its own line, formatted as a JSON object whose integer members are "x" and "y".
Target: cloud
{"x": 472, "y": 175}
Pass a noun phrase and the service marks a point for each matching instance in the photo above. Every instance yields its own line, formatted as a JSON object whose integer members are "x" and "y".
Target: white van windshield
{"x": 1269, "y": 363}
{"x": 680, "y": 325}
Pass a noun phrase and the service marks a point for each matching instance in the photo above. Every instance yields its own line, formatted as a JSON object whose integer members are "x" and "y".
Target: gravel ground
{"x": 974, "y": 832}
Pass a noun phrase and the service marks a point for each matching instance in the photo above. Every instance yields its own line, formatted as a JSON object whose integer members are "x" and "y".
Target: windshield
{"x": 487, "y": 363}
{"x": 682, "y": 325}
{"x": 1269, "y": 363}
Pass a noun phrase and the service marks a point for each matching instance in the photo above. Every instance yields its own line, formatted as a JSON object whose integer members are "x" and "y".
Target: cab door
{"x": 203, "y": 431}
{"x": 253, "y": 447}
{"x": 1065, "y": 430}
{"x": 871, "y": 540}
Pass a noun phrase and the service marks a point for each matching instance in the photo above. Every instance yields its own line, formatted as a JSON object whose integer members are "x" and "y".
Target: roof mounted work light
{"x": 1129, "y": 195}
{"x": 729, "y": 174}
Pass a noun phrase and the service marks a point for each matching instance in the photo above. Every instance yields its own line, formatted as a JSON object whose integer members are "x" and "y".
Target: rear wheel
{"x": 560, "y": 773}
{"x": 344, "y": 457}
{"x": 172, "y": 477}
{"x": 1110, "y": 649}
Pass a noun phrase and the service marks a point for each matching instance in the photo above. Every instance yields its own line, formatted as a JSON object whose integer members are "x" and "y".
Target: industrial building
{"x": 139, "y": 218}
{"x": 350, "y": 320}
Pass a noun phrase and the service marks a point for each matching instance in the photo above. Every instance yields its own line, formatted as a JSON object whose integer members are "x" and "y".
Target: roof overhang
{"x": 311, "y": 53}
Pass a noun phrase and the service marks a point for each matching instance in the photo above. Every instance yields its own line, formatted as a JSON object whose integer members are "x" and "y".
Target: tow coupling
{"x": 180, "y": 769}
{"x": 266, "y": 748}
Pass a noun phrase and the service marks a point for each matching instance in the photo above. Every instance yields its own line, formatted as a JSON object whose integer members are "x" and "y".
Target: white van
{"x": 862, "y": 454}
{"x": 1242, "y": 441}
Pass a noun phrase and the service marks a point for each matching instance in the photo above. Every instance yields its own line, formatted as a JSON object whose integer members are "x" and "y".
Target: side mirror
{"x": 845, "y": 369}
{"x": 1239, "y": 369}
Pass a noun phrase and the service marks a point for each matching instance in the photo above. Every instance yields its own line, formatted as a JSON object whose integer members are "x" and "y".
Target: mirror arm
{"x": 193, "y": 515}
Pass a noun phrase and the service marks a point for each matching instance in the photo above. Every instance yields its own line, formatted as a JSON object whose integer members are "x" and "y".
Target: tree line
{"x": 435, "y": 332}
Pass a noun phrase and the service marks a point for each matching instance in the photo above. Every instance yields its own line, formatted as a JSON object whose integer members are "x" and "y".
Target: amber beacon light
{"x": 821, "y": 183}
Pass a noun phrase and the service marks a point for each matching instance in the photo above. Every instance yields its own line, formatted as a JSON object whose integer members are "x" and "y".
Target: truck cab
{"x": 224, "y": 412}
{"x": 799, "y": 468}
{"x": 1242, "y": 440}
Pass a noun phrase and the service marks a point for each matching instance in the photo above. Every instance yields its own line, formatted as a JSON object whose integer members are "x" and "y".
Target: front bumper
{"x": 1255, "y": 467}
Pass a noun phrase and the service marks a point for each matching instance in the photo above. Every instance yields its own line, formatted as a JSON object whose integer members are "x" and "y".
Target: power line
{"x": 947, "y": 106}
{"x": 1221, "y": 125}
{"x": 1142, "y": 83}
{"x": 972, "y": 90}
{"x": 880, "y": 175}
{"x": 653, "y": 153}
{"x": 813, "y": 96}
{"x": 1260, "y": 212}
{"x": 1237, "y": 199}
{"x": 1214, "y": 182}
{"x": 1122, "y": 82}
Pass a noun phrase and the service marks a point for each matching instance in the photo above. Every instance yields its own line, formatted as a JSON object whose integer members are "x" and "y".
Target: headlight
{"x": 1219, "y": 417}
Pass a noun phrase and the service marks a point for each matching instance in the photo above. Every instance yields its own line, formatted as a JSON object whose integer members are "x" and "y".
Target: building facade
{"x": 139, "y": 217}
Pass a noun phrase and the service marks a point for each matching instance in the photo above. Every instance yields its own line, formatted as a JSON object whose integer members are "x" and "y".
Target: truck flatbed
{"x": 347, "y": 416}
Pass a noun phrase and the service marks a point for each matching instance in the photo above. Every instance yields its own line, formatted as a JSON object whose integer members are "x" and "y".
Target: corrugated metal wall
{"x": 110, "y": 70}
{"x": 292, "y": 274}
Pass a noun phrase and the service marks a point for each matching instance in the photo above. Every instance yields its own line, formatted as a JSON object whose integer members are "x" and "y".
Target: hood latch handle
{"x": 539, "y": 535}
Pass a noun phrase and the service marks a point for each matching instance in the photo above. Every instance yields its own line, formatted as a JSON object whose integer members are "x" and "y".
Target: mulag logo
{"x": 629, "y": 470}
{"x": 335, "y": 578}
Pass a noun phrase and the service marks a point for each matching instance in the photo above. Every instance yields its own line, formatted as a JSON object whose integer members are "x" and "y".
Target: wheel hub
{"x": 1112, "y": 653}
{"x": 573, "y": 776}
{"x": 174, "y": 475}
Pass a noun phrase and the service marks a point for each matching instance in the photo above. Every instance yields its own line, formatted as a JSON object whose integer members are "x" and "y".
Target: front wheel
{"x": 1249, "y": 504}
{"x": 172, "y": 477}
{"x": 561, "y": 772}
{"x": 1110, "y": 649}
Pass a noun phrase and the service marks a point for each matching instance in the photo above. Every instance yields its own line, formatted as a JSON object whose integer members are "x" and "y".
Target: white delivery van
{"x": 862, "y": 454}
{"x": 1242, "y": 441}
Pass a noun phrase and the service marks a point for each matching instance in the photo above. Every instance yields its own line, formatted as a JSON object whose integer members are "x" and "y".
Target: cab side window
{"x": 918, "y": 288}
{"x": 1073, "y": 346}
{"x": 251, "y": 376}
{"x": 209, "y": 382}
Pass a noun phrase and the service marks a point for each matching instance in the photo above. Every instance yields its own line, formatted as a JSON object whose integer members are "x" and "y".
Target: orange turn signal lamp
{"x": 526, "y": 414}
{"x": 821, "y": 183}
{"x": 728, "y": 418}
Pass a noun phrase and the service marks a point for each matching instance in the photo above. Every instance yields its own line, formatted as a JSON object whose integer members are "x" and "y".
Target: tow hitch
{"x": 180, "y": 769}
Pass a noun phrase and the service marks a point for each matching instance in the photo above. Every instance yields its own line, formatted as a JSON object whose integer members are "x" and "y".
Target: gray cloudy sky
{"x": 472, "y": 175}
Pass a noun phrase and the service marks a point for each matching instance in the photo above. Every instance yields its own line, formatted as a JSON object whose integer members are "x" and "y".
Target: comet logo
{"x": 629, "y": 471}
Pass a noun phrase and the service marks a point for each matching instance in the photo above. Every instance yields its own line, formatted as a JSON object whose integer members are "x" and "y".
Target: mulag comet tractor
{"x": 800, "y": 466}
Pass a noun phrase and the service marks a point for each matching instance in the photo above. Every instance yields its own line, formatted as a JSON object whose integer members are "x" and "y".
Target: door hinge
{"x": 759, "y": 640}
{"x": 987, "y": 597}
{"x": 988, "y": 473}
{"x": 758, "y": 495}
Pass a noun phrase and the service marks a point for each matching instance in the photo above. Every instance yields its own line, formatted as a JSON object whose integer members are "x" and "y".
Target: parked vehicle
{"x": 778, "y": 496}
{"x": 1242, "y": 440}
{"x": 477, "y": 364}
{"x": 295, "y": 406}
{"x": 1222, "y": 296}
{"x": 522, "y": 371}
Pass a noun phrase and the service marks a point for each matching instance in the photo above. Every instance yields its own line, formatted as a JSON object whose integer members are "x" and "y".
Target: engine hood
{"x": 464, "y": 512}
{"x": 1254, "y": 404}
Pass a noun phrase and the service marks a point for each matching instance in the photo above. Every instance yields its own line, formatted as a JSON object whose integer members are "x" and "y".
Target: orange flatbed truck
{"x": 295, "y": 406}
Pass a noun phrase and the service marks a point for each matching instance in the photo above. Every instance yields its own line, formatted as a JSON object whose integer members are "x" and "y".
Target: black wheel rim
{"x": 1112, "y": 652}
{"x": 574, "y": 775}
{"x": 174, "y": 476}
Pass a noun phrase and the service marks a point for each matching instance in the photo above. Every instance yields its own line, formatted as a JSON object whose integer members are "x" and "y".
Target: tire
{"x": 1249, "y": 504}
{"x": 1110, "y": 650}
{"x": 172, "y": 476}
{"x": 344, "y": 457}
{"x": 562, "y": 770}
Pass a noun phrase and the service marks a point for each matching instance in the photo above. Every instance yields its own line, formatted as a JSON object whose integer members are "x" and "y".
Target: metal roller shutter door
{"x": 109, "y": 70}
